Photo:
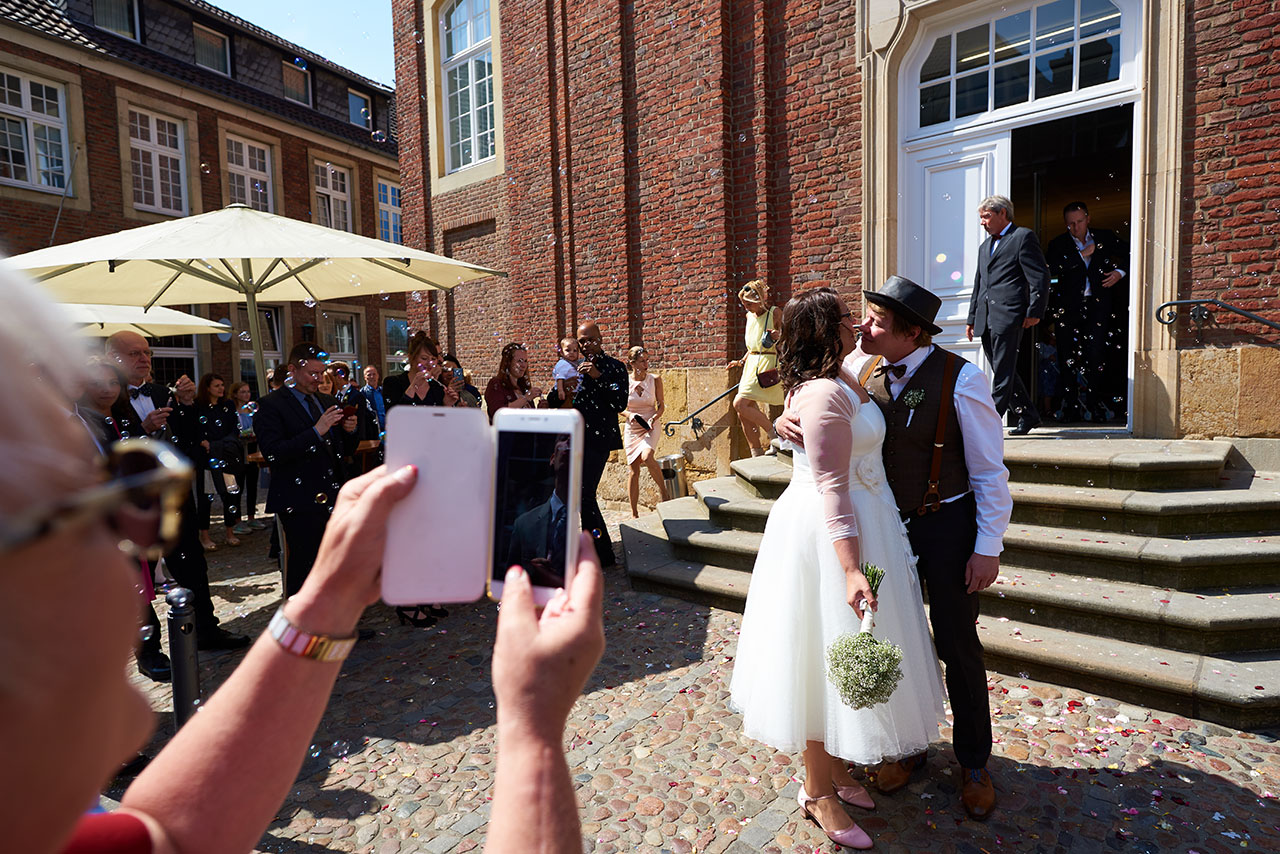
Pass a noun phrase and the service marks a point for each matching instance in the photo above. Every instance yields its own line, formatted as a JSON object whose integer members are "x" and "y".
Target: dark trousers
{"x": 1007, "y": 389}
{"x": 303, "y": 531}
{"x": 943, "y": 542}
{"x": 594, "y": 459}
{"x": 247, "y": 480}
{"x": 204, "y": 500}
{"x": 187, "y": 566}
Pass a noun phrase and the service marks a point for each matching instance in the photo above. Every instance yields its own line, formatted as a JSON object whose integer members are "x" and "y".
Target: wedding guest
{"x": 645, "y": 406}
{"x": 808, "y": 587}
{"x": 601, "y": 396}
{"x": 469, "y": 395}
{"x": 222, "y": 456}
{"x": 759, "y": 383}
{"x": 511, "y": 385}
{"x": 372, "y": 391}
{"x": 422, "y": 384}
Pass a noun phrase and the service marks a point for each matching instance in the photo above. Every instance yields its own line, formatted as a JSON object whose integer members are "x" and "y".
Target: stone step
{"x": 1182, "y": 563}
{"x": 652, "y": 568}
{"x": 1164, "y": 513}
{"x": 1116, "y": 463}
{"x": 765, "y": 477}
{"x": 1240, "y": 690}
{"x": 732, "y": 505}
{"x": 695, "y": 538}
{"x": 1137, "y": 613}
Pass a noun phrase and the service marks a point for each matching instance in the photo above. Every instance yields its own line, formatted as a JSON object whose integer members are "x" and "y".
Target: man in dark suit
{"x": 1010, "y": 291}
{"x": 539, "y": 536}
{"x": 1089, "y": 310}
{"x": 299, "y": 435}
{"x": 600, "y": 397}
{"x": 150, "y": 410}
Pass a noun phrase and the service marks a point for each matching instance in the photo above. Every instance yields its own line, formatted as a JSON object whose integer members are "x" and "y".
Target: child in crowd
{"x": 566, "y": 373}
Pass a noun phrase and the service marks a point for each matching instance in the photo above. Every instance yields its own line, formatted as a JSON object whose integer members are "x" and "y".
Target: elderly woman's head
{"x": 69, "y": 715}
{"x": 818, "y": 331}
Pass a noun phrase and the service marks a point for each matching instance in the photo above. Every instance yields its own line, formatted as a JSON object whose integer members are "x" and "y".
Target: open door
{"x": 938, "y": 228}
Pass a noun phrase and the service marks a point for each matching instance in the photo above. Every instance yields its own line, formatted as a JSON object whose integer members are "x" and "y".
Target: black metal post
{"x": 182, "y": 655}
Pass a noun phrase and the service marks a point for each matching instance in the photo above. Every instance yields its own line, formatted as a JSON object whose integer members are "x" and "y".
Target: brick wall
{"x": 1231, "y": 236}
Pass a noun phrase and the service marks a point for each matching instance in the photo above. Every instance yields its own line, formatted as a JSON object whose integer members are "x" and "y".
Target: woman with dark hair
{"x": 222, "y": 457}
{"x": 511, "y": 386}
{"x": 808, "y": 588}
{"x": 422, "y": 384}
{"x": 469, "y": 394}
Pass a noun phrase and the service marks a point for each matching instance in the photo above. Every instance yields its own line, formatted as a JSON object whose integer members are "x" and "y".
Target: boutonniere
{"x": 913, "y": 398}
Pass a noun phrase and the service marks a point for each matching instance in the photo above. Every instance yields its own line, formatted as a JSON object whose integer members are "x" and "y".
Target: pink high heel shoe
{"x": 851, "y": 837}
{"x": 855, "y": 795}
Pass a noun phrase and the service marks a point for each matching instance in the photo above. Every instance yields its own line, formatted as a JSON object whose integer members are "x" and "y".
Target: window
{"x": 213, "y": 50}
{"x": 389, "y": 212}
{"x": 339, "y": 336}
{"x": 333, "y": 199}
{"x": 269, "y": 328}
{"x": 359, "y": 111}
{"x": 174, "y": 355}
{"x": 117, "y": 16}
{"x": 297, "y": 83}
{"x": 33, "y": 132}
{"x": 395, "y": 342}
{"x": 1055, "y": 47}
{"x": 249, "y": 174}
{"x": 155, "y": 155}
{"x": 467, "y": 68}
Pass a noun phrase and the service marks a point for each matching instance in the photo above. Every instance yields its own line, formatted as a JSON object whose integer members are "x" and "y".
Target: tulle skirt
{"x": 796, "y": 607}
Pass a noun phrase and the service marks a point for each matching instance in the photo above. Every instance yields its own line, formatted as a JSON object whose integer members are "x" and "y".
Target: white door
{"x": 938, "y": 230}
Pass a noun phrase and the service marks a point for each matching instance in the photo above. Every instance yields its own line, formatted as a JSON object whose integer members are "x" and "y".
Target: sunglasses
{"x": 140, "y": 500}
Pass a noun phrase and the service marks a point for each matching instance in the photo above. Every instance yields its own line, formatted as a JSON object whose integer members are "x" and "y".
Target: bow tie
{"x": 896, "y": 370}
{"x": 134, "y": 392}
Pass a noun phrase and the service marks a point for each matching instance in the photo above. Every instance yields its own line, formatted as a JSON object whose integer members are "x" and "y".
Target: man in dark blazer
{"x": 1010, "y": 292}
{"x": 600, "y": 397}
{"x": 150, "y": 410}
{"x": 1089, "y": 308}
{"x": 303, "y": 437}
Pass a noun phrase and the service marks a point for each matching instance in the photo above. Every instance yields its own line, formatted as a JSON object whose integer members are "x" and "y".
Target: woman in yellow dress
{"x": 761, "y": 358}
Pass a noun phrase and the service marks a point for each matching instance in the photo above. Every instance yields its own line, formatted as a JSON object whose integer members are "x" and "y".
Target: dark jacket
{"x": 395, "y": 386}
{"x": 1066, "y": 265}
{"x": 182, "y": 429}
{"x": 306, "y": 468}
{"x": 1010, "y": 285}
{"x": 600, "y": 401}
{"x": 220, "y": 426}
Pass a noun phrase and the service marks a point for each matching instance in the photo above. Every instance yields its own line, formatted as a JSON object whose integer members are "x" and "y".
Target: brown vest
{"x": 908, "y": 449}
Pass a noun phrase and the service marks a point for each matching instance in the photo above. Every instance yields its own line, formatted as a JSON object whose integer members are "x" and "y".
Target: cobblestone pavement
{"x": 403, "y": 760}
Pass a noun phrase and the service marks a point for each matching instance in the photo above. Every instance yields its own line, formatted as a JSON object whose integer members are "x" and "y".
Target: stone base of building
{"x": 1229, "y": 392}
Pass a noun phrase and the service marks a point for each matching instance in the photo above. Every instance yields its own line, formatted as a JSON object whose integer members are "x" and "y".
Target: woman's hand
{"x": 451, "y": 395}
{"x": 857, "y": 590}
{"x": 736, "y": 363}
{"x": 419, "y": 381}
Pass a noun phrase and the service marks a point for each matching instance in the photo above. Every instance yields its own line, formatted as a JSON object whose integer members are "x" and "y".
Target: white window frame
{"x": 146, "y": 153}
{"x": 328, "y": 339}
{"x": 333, "y": 196}
{"x": 196, "y": 29}
{"x": 476, "y": 49}
{"x": 268, "y": 321}
{"x": 391, "y": 363}
{"x": 246, "y": 170}
{"x": 390, "y": 217}
{"x": 368, "y": 106}
{"x": 285, "y": 69}
{"x": 31, "y": 121}
{"x": 135, "y": 35}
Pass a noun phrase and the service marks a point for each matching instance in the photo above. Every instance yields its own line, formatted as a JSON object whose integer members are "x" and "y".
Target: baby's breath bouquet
{"x": 864, "y": 670}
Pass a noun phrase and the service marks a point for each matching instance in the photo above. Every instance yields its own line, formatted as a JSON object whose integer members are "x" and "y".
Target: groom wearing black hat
{"x": 944, "y": 460}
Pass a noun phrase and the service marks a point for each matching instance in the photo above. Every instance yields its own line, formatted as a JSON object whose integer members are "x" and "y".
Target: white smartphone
{"x": 537, "y": 511}
{"x": 439, "y": 537}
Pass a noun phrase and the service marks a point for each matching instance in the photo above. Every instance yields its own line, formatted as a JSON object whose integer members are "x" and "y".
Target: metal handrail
{"x": 1168, "y": 313}
{"x": 670, "y": 427}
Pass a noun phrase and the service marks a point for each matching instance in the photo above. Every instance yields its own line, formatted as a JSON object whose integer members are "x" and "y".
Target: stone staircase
{"x": 1143, "y": 570}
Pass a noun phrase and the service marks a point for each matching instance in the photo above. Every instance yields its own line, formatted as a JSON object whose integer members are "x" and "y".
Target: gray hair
{"x": 999, "y": 204}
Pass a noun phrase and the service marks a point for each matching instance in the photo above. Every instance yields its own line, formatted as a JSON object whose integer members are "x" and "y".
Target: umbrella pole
{"x": 255, "y": 334}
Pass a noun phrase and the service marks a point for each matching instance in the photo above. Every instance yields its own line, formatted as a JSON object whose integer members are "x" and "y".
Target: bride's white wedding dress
{"x": 796, "y": 605}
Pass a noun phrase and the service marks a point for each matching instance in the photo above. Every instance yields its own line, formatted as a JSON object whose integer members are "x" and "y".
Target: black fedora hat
{"x": 909, "y": 301}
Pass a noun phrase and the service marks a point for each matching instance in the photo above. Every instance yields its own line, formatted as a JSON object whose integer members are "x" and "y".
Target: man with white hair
{"x": 1010, "y": 291}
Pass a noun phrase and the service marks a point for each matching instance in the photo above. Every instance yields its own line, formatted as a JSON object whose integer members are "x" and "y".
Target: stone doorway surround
{"x": 887, "y": 32}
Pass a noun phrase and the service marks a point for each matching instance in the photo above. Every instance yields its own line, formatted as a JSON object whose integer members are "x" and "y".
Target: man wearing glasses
{"x": 151, "y": 410}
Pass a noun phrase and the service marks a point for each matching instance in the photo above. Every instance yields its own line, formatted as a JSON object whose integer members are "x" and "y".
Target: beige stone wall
{"x": 1229, "y": 392}
{"x": 707, "y": 456}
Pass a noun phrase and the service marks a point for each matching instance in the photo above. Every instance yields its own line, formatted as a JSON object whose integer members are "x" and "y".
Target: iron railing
{"x": 695, "y": 422}
{"x": 1200, "y": 314}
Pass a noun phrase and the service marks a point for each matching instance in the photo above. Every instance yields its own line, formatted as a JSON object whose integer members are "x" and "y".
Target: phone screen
{"x": 531, "y": 519}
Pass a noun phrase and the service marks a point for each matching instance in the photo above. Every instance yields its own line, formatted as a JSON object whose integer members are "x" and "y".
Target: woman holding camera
{"x": 808, "y": 587}
{"x": 511, "y": 386}
{"x": 759, "y": 383}
{"x": 645, "y": 406}
{"x": 422, "y": 384}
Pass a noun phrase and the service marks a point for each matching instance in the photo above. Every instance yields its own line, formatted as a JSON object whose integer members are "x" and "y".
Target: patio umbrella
{"x": 101, "y": 321}
{"x": 236, "y": 254}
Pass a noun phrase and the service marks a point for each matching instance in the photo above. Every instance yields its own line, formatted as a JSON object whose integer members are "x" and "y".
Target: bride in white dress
{"x": 807, "y": 588}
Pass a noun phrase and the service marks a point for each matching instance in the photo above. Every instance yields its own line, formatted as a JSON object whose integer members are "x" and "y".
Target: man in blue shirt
{"x": 372, "y": 392}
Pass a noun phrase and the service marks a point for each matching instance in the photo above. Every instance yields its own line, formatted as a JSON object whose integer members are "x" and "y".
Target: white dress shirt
{"x": 983, "y": 433}
{"x": 142, "y": 404}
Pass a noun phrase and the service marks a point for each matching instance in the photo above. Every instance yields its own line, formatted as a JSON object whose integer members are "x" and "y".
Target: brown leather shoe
{"x": 978, "y": 795}
{"x": 892, "y": 776}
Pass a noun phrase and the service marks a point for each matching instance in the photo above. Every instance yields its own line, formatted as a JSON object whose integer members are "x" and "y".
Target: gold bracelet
{"x": 295, "y": 641}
